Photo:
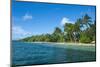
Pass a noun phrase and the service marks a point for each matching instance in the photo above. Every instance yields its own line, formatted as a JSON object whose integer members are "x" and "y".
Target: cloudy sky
{"x": 29, "y": 18}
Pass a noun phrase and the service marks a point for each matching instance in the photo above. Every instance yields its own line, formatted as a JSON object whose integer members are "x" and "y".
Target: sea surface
{"x": 24, "y": 53}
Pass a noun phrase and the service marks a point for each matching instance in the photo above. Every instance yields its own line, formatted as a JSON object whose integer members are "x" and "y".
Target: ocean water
{"x": 45, "y": 53}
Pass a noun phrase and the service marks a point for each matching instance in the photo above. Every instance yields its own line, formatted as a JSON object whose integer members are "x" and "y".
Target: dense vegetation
{"x": 83, "y": 30}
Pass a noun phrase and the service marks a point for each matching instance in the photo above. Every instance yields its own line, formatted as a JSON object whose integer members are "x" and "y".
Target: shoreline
{"x": 66, "y": 43}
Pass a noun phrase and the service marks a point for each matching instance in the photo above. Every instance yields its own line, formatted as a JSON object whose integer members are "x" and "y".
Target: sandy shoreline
{"x": 65, "y": 43}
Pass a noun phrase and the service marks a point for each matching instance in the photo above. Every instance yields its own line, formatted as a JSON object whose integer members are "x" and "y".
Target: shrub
{"x": 85, "y": 39}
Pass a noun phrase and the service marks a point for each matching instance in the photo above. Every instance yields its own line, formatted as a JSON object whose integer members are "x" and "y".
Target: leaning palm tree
{"x": 86, "y": 21}
{"x": 77, "y": 29}
{"x": 78, "y": 25}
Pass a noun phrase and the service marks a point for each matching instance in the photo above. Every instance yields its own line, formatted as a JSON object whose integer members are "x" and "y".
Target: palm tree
{"x": 86, "y": 21}
{"x": 69, "y": 29}
{"x": 77, "y": 29}
{"x": 57, "y": 34}
{"x": 57, "y": 31}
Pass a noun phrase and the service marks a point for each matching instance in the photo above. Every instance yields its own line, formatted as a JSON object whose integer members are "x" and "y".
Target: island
{"x": 82, "y": 31}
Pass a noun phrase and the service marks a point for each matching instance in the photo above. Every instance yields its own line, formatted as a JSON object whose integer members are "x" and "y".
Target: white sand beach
{"x": 67, "y": 43}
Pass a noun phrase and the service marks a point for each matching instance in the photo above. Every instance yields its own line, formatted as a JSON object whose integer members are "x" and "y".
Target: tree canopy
{"x": 83, "y": 30}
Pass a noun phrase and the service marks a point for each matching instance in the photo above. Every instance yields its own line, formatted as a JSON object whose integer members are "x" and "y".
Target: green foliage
{"x": 69, "y": 28}
{"x": 57, "y": 31}
{"x": 84, "y": 38}
{"x": 83, "y": 30}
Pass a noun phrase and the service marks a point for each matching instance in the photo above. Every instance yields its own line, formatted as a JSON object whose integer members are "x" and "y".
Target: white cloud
{"x": 65, "y": 20}
{"x": 19, "y": 32}
{"x": 27, "y": 17}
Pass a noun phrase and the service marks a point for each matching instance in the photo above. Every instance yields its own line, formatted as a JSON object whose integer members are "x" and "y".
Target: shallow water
{"x": 45, "y": 53}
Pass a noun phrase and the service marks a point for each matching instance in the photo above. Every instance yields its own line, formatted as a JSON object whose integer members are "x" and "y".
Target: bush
{"x": 85, "y": 39}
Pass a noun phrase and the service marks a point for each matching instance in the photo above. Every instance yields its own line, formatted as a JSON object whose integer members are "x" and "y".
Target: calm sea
{"x": 45, "y": 53}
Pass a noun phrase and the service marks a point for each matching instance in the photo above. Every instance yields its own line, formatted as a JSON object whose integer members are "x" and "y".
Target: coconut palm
{"x": 77, "y": 29}
{"x": 86, "y": 21}
{"x": 69, "y": 28}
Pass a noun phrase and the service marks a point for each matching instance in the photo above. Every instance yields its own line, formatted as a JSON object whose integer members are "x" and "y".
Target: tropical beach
{"x": 46, "y": 33}
{"x": 64, "y": 43}
{"x": 82, "y": 32}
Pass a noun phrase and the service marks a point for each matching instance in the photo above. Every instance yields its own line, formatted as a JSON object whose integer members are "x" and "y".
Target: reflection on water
{"x": 36, "y": 53}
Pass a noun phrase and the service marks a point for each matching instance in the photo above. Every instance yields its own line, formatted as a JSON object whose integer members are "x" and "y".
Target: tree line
{"x": 83, "y": 30}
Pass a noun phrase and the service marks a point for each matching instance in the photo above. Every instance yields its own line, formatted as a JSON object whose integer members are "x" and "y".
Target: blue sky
{"x": 31, "y": 18}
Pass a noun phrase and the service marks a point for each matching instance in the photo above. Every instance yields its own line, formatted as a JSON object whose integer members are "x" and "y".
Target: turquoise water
{"x": 45, "y": 53}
